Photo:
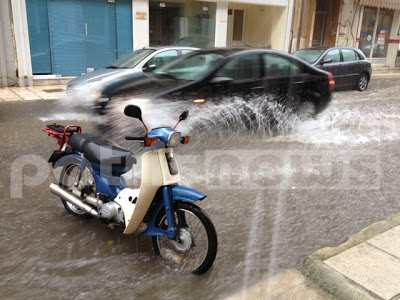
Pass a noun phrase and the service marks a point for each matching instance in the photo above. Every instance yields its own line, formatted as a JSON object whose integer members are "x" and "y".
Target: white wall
{"x": 394, "y": 35}
{"x": 221, "y": 26}
{"x": 349, "y": 21}
{"x": 263, "y": 25}
{"x": 7, "y": 58}
{"x": 141, "y": 35}
{"x": 22, "y": 47}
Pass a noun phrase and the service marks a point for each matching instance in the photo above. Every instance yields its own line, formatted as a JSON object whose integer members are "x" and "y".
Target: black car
{"x": 349, "y": 66}
{"x": 212, "y": 74}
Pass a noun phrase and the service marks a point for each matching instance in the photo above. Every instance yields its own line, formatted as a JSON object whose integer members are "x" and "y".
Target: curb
{"x": 333, "y": 281}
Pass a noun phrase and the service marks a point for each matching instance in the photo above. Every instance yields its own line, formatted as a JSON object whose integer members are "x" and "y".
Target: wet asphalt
{"x": 273, "y": 200}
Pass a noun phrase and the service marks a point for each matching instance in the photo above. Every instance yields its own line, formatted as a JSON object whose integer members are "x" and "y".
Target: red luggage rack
{"x": 62, "y": 133}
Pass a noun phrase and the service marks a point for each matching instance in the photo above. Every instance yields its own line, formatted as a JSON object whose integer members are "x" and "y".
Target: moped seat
{"x": 101, "y": 151}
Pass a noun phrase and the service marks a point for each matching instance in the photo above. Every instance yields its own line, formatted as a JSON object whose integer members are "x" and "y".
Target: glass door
{"x": 367, "y": 30}
{"x": 382, "y": 35}
{"x": 375, "y": 33}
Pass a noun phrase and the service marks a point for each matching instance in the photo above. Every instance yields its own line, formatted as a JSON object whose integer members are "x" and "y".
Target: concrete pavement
{"x": 32, "y": 93}
{"x": 367, "y": 266}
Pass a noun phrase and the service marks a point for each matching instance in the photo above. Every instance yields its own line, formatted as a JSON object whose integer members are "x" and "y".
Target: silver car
{"x": 141, "y": 60}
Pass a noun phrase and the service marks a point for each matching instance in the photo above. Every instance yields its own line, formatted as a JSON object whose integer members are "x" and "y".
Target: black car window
{"x": 334, "y": 54}
{"x": 162, "y": 58}
{"x": 349, "y": 55}
{"x": 279, "y": 66}
{"x": 309, "y": 55}
{"x": 246, "y": 67}
{"x": 191, "y": 66}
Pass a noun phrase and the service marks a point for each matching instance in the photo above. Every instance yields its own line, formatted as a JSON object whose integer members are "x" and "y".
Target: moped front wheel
{"x": 195, "y": 246}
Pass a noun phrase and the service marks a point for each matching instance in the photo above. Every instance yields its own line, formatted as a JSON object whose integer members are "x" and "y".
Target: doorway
{"x": 375, "y": 33}
{"x": 235, "y": 35}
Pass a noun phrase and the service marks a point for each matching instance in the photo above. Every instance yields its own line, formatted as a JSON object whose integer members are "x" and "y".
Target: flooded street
{"x": 274, "y": 199}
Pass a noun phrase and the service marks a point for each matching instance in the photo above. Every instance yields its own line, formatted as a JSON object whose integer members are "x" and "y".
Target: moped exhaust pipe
{"x": 57, "y": 190}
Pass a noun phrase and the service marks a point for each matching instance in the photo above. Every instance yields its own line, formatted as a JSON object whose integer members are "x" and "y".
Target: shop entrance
{"x": 375, "y": 33}
{"x": 69, "y": 38}
{"x": 182, "y": 23}
{"x": 325, "y": 23}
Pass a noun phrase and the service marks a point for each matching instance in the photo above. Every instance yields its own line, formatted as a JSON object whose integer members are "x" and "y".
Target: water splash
{"x": 229, "y": 118}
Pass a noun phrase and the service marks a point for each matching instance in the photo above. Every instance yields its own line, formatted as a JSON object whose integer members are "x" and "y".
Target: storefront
{"x": 378, "y": 36}
{"x": 51, "y": 40}
{"x": 69, "y": 38}
{"x": 180, "y": 22}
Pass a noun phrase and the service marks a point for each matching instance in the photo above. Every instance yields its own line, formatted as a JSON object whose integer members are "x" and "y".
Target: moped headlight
{"x": 174, "y": 139}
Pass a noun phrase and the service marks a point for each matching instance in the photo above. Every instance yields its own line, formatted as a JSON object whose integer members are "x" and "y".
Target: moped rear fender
{"x": 105, "y": 184}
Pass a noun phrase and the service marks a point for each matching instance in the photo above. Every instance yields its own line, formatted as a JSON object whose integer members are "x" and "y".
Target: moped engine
{"x": 112, "y": 211}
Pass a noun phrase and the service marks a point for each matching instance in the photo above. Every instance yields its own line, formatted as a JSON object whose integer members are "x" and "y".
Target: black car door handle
{"x": 257, "y": 88}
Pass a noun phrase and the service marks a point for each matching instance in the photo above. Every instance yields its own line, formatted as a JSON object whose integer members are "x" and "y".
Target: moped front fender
{"x": 181, "y": 193}
{"x": 171, "y": 194}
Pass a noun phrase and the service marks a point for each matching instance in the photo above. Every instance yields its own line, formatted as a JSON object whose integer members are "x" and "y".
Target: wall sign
{"x": 141, "y": 15}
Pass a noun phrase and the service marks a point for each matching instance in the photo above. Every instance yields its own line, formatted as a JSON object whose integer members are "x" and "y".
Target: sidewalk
{"x": 367, "y": 266}
{"x": 31, "y": 93}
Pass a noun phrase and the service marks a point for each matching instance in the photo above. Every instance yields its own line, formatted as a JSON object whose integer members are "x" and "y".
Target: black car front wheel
{"x": 362, "y": 83}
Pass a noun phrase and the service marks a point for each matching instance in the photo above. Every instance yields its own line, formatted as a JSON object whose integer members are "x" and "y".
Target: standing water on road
{"x": 275, "y": 196}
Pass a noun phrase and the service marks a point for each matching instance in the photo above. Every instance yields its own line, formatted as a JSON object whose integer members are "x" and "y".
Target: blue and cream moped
{"x": 91, "y": 184}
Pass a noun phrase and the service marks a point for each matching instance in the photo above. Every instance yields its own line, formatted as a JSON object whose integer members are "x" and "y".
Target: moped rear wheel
{"x": 195, "y": 246}
{"x": 67, "y": 180}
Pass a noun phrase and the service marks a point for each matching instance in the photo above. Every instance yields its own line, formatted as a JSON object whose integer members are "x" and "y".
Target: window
{"x": 278, "y": 66}
{"x": 191, "y": 67}
{"x": 334, "y": 54}
{"x": 246, "y": 67}
{"x": 132, "y": 60}
{"x": 163, "y": 58}
{"x": 186, "y": 51}
{"x": 309, "y": 55}
{"x": 349, "y": 55}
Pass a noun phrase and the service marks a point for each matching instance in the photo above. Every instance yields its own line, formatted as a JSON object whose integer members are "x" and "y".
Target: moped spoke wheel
{"x": 195, "y": 245}
{"x": 67, "y": 180}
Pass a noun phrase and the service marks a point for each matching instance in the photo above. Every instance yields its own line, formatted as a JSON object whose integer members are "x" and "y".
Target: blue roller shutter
{"x": 38, "y": 27}
{"x": 124, "y": 27}
{"x": 100, "y": 37}
{"x": 67, "y": 37}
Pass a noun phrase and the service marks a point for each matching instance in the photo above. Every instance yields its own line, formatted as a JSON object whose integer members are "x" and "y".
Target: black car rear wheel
{"x": 362, "y": 83}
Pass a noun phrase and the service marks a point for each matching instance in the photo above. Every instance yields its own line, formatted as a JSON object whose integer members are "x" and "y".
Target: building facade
{"x": 370, "y": 25}
{"x": 62, "y": 38}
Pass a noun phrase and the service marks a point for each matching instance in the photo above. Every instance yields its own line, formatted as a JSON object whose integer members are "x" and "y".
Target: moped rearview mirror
{"x": 184, "y": 115}
{"x": 133, "y": 111}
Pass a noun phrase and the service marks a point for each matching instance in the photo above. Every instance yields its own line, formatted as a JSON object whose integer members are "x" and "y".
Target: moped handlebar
{"x": 133, "y": 138}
